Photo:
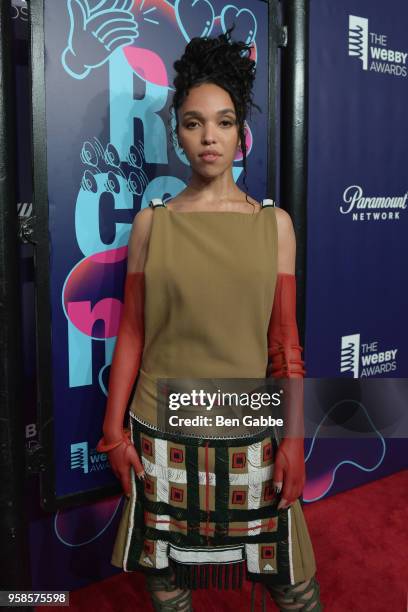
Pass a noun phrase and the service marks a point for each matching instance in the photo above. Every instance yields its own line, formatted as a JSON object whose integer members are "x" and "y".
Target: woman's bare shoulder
{"x": 286, "y": 241}
{"x": 139, "y": 239}
{"x": 283, "y": 221}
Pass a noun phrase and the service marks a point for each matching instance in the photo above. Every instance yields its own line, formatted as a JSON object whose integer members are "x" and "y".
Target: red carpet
{"x": 360, "y": 538}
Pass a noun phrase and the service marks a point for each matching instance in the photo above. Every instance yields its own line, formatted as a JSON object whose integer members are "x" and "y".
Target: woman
{"x": 209, "y": 292}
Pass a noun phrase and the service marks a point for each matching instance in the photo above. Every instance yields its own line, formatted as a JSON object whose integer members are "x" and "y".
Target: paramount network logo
{"x": 363, "y": 207}
{"x": 366, "y": 45}
{"x": 363, "y": 360}
{"x": 82, "y": 459}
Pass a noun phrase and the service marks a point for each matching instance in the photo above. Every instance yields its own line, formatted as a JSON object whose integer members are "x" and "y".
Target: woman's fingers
{"x": 278, "y": 486}
{"x": 122, "y": 459}
{"x": 137, "y": 464}
{"x": 291, "y": 491}
{"x": 290, "y": 468}
{"x": 280, "y": 476}
{"x": 125, "y": 481}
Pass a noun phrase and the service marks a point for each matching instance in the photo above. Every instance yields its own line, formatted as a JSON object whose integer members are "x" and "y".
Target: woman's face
{"x": 208, "y": 122}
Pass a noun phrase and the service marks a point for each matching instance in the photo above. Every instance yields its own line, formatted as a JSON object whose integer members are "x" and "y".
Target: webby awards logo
{"x": 365, "y": 359}
{"x": 372, "y": 49}
{"x": 87, "y": 460}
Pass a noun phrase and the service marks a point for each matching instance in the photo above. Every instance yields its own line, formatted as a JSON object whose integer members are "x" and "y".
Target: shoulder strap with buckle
{"x": 155, "y": 202}
{"x": 267, "y": 202}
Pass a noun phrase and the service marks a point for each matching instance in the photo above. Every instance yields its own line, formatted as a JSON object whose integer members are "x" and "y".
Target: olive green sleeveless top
{"x": 209, "y": 288}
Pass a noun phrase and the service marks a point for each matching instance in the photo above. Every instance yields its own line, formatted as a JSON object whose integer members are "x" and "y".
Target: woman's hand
{"x": 289, "y": 470}
{"x": 122, "y": 459}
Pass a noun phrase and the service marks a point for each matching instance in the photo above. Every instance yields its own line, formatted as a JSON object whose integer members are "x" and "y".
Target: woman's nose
{"x": 208, "y": 135}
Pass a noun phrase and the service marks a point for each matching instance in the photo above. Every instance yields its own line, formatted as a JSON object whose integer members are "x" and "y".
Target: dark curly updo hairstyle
{"x": 221, "y": 61}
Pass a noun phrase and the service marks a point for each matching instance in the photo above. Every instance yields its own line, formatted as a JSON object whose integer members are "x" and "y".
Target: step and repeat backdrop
{"x": 109, "y": 151}
{"x": 108, "y": 89}
{"x": 357, "y": 220}
{"x": 106, "y": 127}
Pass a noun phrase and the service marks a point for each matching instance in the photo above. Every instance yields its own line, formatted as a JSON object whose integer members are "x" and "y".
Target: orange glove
{"x": 284, "y": 361}
{"x": 125, "y": 366}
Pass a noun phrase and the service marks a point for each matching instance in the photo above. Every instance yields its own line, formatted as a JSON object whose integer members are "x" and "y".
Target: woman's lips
{"x": 209, "y": 157}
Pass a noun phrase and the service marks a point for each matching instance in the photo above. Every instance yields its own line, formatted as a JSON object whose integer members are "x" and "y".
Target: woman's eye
{"x": 225, "y": 122}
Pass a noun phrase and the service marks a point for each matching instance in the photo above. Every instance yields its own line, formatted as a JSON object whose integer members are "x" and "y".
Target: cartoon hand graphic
{"x": 95, "y": 33}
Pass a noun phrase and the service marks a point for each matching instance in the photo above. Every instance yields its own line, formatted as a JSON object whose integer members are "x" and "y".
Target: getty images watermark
{"x": 221, "y": 407}
{"x": 208, "y": 402}
{"x": 335, "y": 408}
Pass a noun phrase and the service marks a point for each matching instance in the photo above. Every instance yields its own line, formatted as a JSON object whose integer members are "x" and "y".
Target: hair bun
{"x": 220, "y": 60}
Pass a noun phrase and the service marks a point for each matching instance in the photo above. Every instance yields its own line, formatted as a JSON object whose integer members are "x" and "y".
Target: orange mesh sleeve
{"x": 127, "y": 355}
{"x": 284, "y": 350}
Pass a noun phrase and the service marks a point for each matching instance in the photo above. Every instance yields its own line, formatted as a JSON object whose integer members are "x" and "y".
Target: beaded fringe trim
{"x": 221, "y": 576}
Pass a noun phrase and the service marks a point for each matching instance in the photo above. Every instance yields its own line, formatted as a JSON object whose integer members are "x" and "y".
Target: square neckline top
{"x": 266, "y": 203}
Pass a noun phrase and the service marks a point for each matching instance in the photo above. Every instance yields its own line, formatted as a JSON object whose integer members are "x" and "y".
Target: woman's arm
{"x": 285, "y": 362}
{"x": 130, "y": 341}
{"x": 127, "y": 357}
{"x": 286, "y": 242}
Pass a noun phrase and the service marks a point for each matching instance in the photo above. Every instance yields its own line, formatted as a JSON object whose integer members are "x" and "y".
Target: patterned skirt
{"x": 207, "y": 511}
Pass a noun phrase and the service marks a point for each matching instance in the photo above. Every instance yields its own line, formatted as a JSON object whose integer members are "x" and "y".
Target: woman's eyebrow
{"x": 194, "y": 113}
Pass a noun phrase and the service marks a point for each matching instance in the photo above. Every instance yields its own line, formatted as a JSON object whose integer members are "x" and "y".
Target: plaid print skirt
{"x": 207, "y": 511}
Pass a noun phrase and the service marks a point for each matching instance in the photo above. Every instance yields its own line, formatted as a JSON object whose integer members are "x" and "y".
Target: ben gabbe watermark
{"x": 208, "y": 402}
{"x": 227, "y": 407}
